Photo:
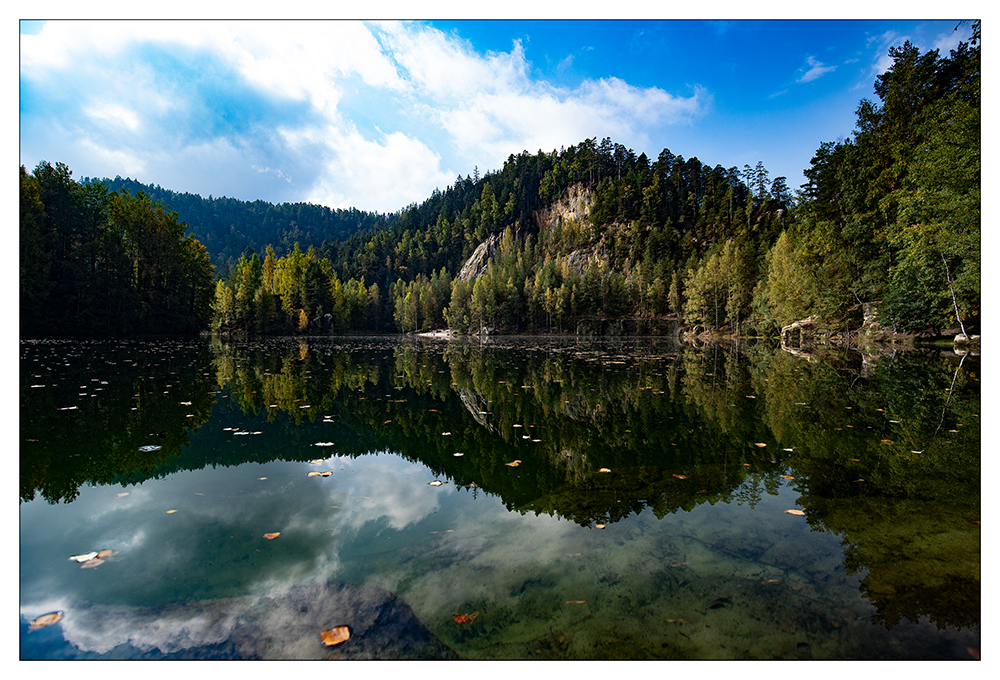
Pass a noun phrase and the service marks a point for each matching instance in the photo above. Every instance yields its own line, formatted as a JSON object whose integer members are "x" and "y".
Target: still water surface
{"x": 597, "y": 500}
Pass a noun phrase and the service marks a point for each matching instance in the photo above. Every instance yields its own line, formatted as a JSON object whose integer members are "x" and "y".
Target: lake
{"x": 514, "y": 499}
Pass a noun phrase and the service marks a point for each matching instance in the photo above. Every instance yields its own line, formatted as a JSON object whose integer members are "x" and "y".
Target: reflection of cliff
{"x": 476, "y": 405}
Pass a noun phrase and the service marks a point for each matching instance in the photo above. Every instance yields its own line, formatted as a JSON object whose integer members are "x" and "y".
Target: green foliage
{"x": 95, "y": 262}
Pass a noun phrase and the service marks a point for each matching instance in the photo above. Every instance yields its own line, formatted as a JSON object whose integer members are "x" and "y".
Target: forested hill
{"x": 228, "y": 227}
{"x": 594, "y": 237}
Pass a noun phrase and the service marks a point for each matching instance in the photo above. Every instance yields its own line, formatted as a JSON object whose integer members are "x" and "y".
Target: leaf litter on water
{"x": 335, "y": 636}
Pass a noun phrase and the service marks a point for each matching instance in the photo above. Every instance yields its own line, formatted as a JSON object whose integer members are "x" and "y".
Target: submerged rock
{"x": 285, "y": 625}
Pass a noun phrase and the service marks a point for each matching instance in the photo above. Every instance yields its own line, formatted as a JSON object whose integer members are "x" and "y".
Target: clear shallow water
{"x": 681, "y": 549}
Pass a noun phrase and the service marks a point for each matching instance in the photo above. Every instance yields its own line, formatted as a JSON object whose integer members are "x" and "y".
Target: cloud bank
{"x": 341, "y": 113}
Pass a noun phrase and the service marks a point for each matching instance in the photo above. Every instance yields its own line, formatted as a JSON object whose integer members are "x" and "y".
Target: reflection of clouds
{"x": 388, "y": 487}
{"x": 362, "y": 492}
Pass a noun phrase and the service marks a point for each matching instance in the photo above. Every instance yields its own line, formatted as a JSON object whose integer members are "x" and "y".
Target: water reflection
{"x": 655, "y": 443}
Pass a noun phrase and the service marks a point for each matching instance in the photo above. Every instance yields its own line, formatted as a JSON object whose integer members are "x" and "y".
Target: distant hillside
{"x": 228, "y": 227}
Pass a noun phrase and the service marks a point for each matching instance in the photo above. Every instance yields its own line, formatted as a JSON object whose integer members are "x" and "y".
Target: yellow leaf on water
{"x": 795, "y": 512}
{"x": 604, "y": 470}
{"x": 90, "y": 564}
{"x": 680, "y": 476}
{"x": 335, "y": 636}
{"x": 436, "y": 482}
{"x": 170, "y": 512}
{"x": 124, "y": 493}
{"x": 45, "y": 620}
{"x": 106, "y": 553}
{"x": 600, "y": 526}
{"x": 514, "y": 463}
{"x": 787, "y": 477}
{"x": 312, "y": 474}
{"x": 84, "y": 557}
{"x": 273, "y": 536}
{"x": 888, "y": 441}
{"x": 759, "y": 444}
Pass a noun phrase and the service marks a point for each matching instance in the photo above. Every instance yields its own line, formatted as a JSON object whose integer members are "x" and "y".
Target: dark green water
{"x": 681, "y": 548}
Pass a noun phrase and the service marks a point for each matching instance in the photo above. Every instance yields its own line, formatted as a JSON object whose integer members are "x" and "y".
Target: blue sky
{"x": 376, "y": 115}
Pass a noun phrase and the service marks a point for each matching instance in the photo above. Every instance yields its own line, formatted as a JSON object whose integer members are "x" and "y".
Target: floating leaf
{"x": 123, "y": 493}
{"x": 772, "y": 580}
{"x": 458, "y": 455}
{"x": 170, "y": 512}
{"x": 600, "y": 526}
{"x": 787, "y": 477}
{"x": 90, "y": 564}
{"x": 272, "y": 536}
{"x": 45, "y": 620}
{"x": 466, "y": 618}
{"x": 680, "y": 476}
{"x": 788, "y": 449}
{"x": 335, "y": 636}
{"x": 387, "y": 422}
{"x": 316, "y": 461}
{"x": 446, "y": 434}
{"x": 576, "y": 601}
{"x": 323, "y": 444}
{"x": 436, "y": 482}
{"x": 888, "y": 441}
{"x": 84, "y": 557}
{"x": 106, "y": 553}
{"x": 795, "y": 512}
{"x": 604, "y": 470}
{"x": 312, "y": 474}
{"x": 759, "y": 444}
{"x": 149, "y": 448}
{"x": 513, "y": 464}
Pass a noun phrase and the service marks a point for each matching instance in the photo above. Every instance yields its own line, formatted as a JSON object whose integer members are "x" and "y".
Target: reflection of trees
{"x": 675, "y": 429}
{"x": 904, "y": 499}
{"x": 126, "y": 395}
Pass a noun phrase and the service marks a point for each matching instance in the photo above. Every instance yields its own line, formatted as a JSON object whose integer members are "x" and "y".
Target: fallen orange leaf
{"x": 795, "y": 512}
{"x": 273, "y": 536}
{"x": 335, "y": 636}
{"x": 45, "y": 620}
{"x": 680, "y": 476}
{"x": 466, "y": 618}
{"x": 513, "y": 464}
{"x": 604, "y": 470}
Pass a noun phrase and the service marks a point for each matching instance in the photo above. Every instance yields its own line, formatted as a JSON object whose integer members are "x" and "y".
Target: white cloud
{"x": 114, "y": 114}
{"x": 816, "y": 70}
{"x": 344, "y": 113}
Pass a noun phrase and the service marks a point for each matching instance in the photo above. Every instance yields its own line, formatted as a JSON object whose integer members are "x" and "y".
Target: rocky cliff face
{"x": 575, "y": 205}
{"x": 572, "y": 208}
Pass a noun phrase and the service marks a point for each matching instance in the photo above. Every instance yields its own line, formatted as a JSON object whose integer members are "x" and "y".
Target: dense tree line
{"x": 228, "y": 226}
{"x": 100, "y": 262}
{"x": 893, "y": 214}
